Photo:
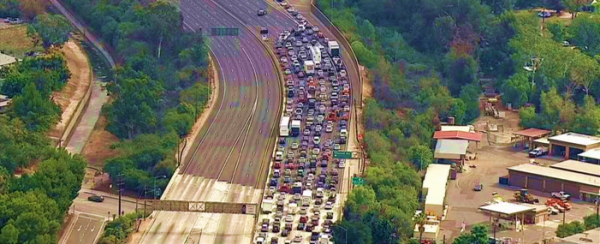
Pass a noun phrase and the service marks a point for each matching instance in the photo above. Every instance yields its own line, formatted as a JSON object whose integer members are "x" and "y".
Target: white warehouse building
{"x": 434, "y": 188}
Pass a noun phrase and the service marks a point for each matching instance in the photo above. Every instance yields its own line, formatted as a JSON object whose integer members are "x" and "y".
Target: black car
{"x": 290, "y": 94}
{"x": 96, "y": 198}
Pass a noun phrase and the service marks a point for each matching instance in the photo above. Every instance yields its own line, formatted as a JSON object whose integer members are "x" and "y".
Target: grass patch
{"x": 15, "y": 42}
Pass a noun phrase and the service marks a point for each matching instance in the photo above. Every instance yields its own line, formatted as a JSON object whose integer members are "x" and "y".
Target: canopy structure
{"x": 459, "y": 135}
{"x": 451, "y": 149}
{"x": 506, "y": 208}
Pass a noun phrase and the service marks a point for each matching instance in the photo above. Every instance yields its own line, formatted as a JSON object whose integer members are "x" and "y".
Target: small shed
{"x": 454, "y": 150}
{"x": 572, "y": 144}
{"x": 528, "y": 136}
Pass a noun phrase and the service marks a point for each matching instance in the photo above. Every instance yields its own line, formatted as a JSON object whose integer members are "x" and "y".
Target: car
{"x": 264, "y": 228}
{"x": 328, "y": 205}
{"x": 316, "y": 150}
{"x": 279, "y": 156}
{"x": 341, "y": 164}
{"x": 298, "y": 43}
{"x": 96, "y": 198}
{"x": 284, "y": 4}
{"x": 288, "y": 108}
{"x": 261, "y": 12}
{"x": 336, "y": 147}
{"x": 274, "y": 240}
{"x": 329, "y": 129}
{"x": 290, "y": 10}
{"x": 317, "y": 140}
{"x": 285, "y": 233}
{"x": 276, "y": 173}
{"x": 306, "y": 132}
{"x": 537, "y": 152}
{"x": 294, "y": 145}
{"x": 478, "y": 187}
{"x": 301, "y": 75}
{"x": 298, "y": 239}
{"x": 561, "y": 195}
{"x": 544, "y": 14}
{"x": 299, "y": 17}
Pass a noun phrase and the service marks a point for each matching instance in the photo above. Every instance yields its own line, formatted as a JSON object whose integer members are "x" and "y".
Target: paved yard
{"x": 491, "y": 163}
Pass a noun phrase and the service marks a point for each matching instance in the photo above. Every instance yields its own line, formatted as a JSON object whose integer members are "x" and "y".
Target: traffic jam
{"x": 300, "y": 203}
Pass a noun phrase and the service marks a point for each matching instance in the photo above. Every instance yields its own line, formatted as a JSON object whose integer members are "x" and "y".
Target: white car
{"x": 341, "y": 164}
{"x": 329, "y": 129}
{"x": 328, "y": 206}
{"x": 336, "y": 147}
{"x": 289, "y": 218}
{"x": 289, "y": 108}
{"x": 278, "y": 156}
{"x": 298, "y": 239}
{"x": 317, "y": 140}
{"x": 316, "y": 150}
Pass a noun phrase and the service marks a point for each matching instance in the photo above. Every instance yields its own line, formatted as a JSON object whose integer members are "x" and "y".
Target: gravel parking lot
{"x": 304, "y": 179}
{"x": 491, "y": 163}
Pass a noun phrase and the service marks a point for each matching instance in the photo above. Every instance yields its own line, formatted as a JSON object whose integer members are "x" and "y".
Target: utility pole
{"x": 120, "y": 192}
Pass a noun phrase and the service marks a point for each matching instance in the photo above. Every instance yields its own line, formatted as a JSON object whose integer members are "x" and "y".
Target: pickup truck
{"x": 539, "y": 151}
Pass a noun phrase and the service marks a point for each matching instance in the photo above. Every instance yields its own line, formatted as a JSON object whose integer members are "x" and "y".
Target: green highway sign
{"x": 357, "y": 181}
{"x": 342, "y": 154}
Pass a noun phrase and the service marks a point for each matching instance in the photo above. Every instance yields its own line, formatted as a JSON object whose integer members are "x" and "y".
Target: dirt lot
{"x": 491, "y": 163}
{"x": 14, "y": 40}
{"x": 97, "y": 149}
{"x": 71, "y": 95}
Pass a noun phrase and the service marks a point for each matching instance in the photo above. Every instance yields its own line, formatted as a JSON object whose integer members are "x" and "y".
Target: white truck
{"x": 267, "y": 205}
{"x": 296, "y": 124}
{"x": 284, "y": 126}
{"x": 334, "y": 48}
{"x": 293, "y": 208}
{"x": 306, "y": 197}
{"x": 315, "y": 52}
{"x": 309, "y": 67}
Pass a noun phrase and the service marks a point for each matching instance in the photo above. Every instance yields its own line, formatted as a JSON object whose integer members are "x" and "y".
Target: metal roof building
{"x": 451, "y": 149}
{"x": 571, "y": 144}
{"x": 434, "y": 188}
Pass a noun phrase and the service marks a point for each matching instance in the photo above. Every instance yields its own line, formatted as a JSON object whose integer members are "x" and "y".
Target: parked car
{"x": 561, "y": 195}
{"x": 539, "y": 151}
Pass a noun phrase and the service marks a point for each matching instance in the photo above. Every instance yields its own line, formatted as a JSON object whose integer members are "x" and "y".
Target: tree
{"x": 32, "y": 8}
{"x": 53, "y": 29}
{"x": 528, "y": 117}
{"x": 196, "y": 97}
{"x": 458, "y": 111}
{"x": 478, "y": 235}
{"x": 420, "y": 155}
{"x": 9, "y": 234}
{"x": 470, "y": 96}
{"x": 569, "y": 229}
{"x": 575, "y": 5}
{"x": 133, "y": 111}
{"x": 420, "y": 220}
{"x": 460, "y": 69}
{"x": 587, "y": 120}
{"x": 585, "y": 33}
{"x": 164, "y": 19}
{"x": 37, "y": 112}
{"x": 517, "y": 90}
{"x": 352, "y": 232}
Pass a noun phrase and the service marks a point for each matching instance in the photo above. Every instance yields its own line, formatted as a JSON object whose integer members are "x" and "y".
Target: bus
{"x": 296, "y": 127}
{"x": 284, "y": 126}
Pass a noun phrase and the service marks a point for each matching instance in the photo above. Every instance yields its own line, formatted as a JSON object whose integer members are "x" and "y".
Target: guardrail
{"x": 342, "y": 40}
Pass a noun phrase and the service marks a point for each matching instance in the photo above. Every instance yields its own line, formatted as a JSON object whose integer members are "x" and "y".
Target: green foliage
{"x": 126, "y": 120}
{"x": 53, "y": 29}
{"x": 591, "y": 221}
{"x": 528, "y": 117}
{"x": 421, "y": 156}
{"x": 19, "y": 146}
{"x": 460, "y": 69}
{"x": 470, "y": 96}
{"x": 558, "y": 29}
{"x": 364, "y": 55}
{"x": 116, "y": 231}
{"x": 352, "y": 232}
{"x": 517, "y": 90}
{"x": 36, "y": 111}
{"x": 569, "y": 229}
{"x": 10, "y": 9}
{"x": 142, "y": 159}
{"x": 478, "y": 235}
{"x": 48, "y": 72}
{"x": 195, "y": 97}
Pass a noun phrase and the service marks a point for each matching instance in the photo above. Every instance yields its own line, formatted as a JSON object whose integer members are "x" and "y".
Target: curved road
{"x": 233, "y": 148}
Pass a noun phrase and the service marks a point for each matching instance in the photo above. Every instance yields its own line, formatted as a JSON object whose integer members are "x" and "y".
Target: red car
{"x": 291, "y": 166}
{"x": 277, "y": 165}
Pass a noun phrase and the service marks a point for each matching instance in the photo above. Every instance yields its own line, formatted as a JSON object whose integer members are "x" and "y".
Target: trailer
{"x": 284, "y": 126}
{"x": 334, "y": 48}
{"x": 315, "y": 52}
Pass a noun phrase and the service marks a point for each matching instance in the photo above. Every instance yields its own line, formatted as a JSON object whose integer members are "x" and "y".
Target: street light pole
{"x": 155, "y": 178}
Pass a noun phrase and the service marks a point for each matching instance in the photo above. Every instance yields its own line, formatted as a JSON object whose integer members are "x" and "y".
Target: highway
{"x": 230, "y": 156}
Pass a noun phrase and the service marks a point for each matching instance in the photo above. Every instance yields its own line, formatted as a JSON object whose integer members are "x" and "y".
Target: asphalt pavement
{"x": 86, "y": 228}
{"x": 232, "y": 150}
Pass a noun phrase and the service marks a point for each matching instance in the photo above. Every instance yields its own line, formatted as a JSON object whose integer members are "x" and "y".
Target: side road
{"x": 81, "y": 222}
